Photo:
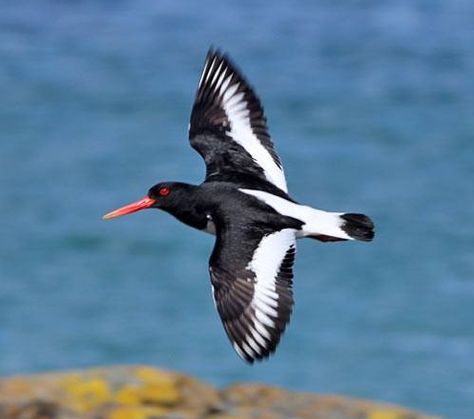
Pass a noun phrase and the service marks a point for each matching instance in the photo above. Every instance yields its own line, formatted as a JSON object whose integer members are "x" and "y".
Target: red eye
{"x": 164, "y": 191}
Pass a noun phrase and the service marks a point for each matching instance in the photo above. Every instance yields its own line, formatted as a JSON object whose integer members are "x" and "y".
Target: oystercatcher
{"x": 244, "y": 202}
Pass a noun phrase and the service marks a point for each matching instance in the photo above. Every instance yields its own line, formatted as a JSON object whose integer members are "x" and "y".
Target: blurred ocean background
{"x": 371, "y": 106}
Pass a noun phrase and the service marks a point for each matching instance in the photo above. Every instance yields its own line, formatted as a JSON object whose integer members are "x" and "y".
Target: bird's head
{"x": 163, "y": 195}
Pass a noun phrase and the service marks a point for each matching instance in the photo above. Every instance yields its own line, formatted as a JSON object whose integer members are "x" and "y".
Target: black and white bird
{"x": 244, "y": 202}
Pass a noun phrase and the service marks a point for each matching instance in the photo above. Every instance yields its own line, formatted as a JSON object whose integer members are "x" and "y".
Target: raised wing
{"x": 251, "y": 276}
{"x": 228, "y": 127}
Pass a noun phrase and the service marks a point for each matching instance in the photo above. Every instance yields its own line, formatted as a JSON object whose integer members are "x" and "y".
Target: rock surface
{"x": 140, "y": 392}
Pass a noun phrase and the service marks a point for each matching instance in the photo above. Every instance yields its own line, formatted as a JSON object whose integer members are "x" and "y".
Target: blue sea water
{"x": 371, "y": 106}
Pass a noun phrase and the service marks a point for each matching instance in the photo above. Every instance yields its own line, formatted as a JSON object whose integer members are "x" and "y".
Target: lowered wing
{"x": 251, "y": 276}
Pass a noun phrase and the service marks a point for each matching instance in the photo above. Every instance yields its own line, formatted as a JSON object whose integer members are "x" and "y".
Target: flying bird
{"x": 244, "y": 202}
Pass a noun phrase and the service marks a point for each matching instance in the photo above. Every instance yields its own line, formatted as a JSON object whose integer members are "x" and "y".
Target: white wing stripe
{"x": 241, "y": 132}
{"x": 269, "y": 294}
{"x": 272, "y": 248}
{"x": 217, "y": 73}
{"x": 225, "y": 85}
{"x": 264, "y": 319}
{"x": 219, "y": 82}
{"x": 254, "y": 345}
{"x": 240, "y": 129}
{"x": 227, "y": 93}
{"x": 265, "y": 309}
{"x": 210, "y": 69}
{"x": 266, "y": 300}
{"x": 248, "y": 349}
{"x": 261, "y": 331}
{"x": 235, "y": 101}
{"x": 203, "y": 73}
{"x": 265, "y": 264}
{"x": 259, "y": 338}
{"x": 239, "y": 351}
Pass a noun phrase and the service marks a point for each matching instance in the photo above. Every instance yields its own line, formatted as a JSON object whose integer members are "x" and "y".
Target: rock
{"x": 141, "y": 392}
{"x": 277, "y": 403}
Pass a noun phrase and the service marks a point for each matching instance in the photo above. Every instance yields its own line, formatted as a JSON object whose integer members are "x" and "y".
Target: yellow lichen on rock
{"x": 138, "y": 413}
{"x": 151, "y": 387}
{"x": 387, "y": 414}
{"x": 127, "y": 395}
{"x": 85, "y": 394}
{"x": 156, "y": 394}
{"x": 153, "y": 375}
{"x": 159, "y": 386}
{"x": 160, "y": 393}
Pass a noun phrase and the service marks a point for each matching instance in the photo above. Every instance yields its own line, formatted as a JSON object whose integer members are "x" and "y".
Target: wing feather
{"x": 228, "y": 126}
{"x": 254, "y": 295}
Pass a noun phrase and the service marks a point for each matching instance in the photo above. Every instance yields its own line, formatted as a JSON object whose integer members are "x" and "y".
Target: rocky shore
{"x": 141, "y": 392}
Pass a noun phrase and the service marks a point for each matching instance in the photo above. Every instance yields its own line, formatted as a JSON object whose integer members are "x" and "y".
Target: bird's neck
{"x": 187, "y": 208}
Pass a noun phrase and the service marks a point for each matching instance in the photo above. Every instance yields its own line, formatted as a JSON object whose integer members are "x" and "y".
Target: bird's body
{"x": 244, "y": 202}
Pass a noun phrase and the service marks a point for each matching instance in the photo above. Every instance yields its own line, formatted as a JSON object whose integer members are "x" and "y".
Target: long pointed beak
{"x": 128, "y": 209}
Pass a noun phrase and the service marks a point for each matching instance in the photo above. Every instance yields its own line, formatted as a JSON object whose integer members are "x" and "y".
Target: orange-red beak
{"x": 133, "y": 207}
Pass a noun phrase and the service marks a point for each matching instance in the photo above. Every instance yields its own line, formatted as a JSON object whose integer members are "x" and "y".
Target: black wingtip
{"x": 219, "y": 53}
{"x": 214, "y": 52}
{"x": 358, "y": 226}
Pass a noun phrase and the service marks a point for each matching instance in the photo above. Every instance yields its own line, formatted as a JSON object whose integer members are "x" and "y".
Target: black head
{"x": 169, "y": 195}
{"x": 164, "y": 195}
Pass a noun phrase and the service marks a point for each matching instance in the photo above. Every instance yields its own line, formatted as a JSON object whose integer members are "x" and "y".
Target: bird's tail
{"x": 320, "y": 225}
{"x": 335, "y": 226}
